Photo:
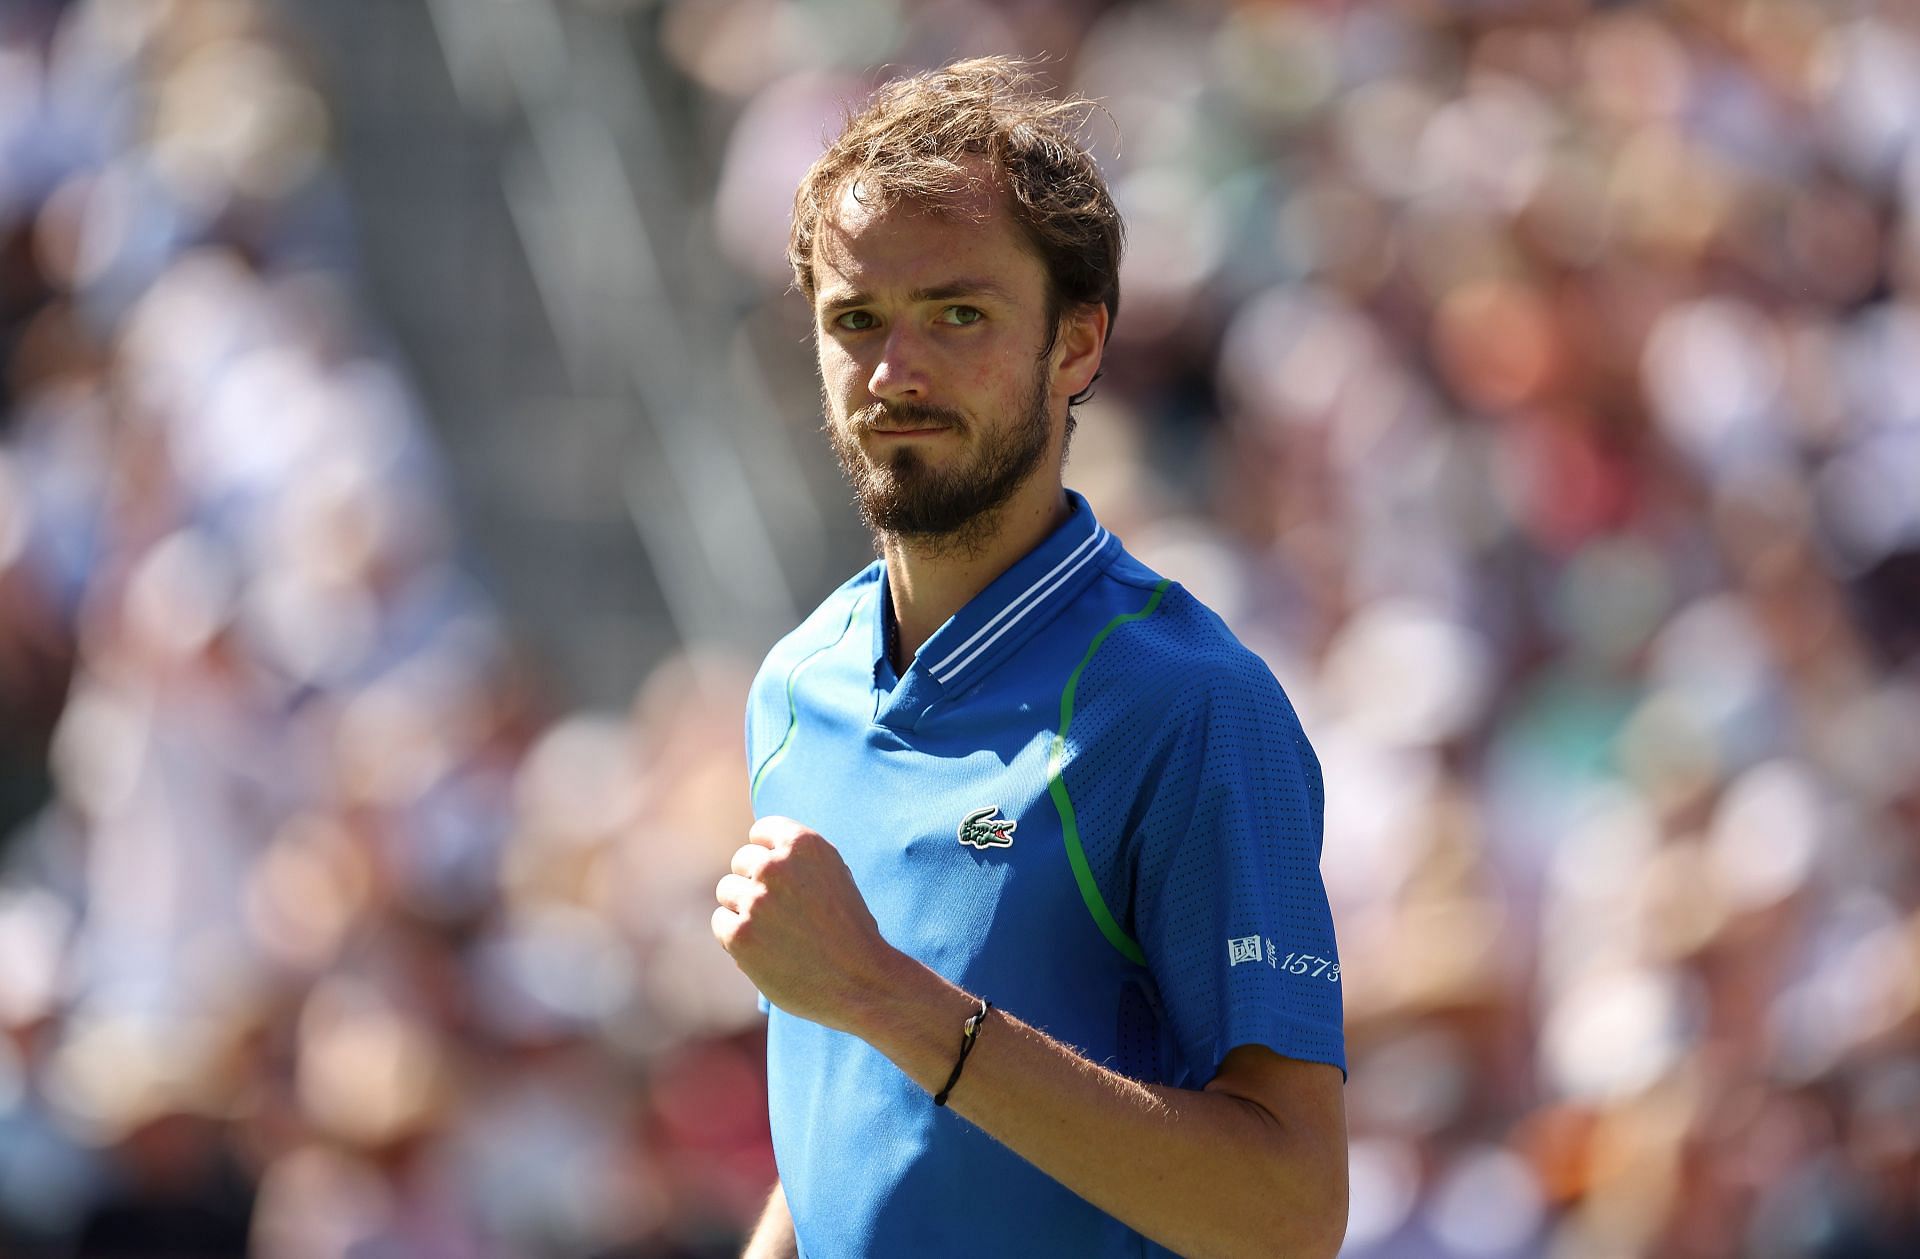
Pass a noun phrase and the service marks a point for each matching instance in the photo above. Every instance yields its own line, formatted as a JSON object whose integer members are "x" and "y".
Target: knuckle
{"x": 774, "y": 827}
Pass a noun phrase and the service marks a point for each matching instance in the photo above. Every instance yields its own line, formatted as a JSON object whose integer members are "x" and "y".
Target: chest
{"x": 956, "y": 837}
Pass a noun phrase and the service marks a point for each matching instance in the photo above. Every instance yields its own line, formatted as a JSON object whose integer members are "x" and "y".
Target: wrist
{"x": 914, "y": 1017}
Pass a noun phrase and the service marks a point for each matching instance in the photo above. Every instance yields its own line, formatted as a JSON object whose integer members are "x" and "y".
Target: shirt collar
{"x": 1012, "y": 607}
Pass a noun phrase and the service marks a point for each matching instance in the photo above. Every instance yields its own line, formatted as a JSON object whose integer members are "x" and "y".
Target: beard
{"x": 950, "y": 509}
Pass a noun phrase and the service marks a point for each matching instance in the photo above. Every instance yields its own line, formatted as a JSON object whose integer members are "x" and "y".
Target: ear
{"x": 1079, "y": 347}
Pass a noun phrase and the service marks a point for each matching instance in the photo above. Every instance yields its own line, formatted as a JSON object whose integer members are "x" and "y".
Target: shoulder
{"x": 1174, "y": 655}
{"x": 770, "y": 703}
{"x": 821, "y": 628}
{"x": 1173, "y": 686}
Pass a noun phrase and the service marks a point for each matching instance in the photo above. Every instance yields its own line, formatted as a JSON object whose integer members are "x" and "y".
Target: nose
{"x": 900, "y": 373}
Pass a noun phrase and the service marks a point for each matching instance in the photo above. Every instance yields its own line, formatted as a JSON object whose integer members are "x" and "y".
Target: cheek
{"x": 1006, "y": 386}
{"x": 1000, "y": 368}
{"x": 839, "y": 371}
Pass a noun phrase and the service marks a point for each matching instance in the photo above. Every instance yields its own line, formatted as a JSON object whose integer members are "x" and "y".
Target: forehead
{"x": 865, "y": 245}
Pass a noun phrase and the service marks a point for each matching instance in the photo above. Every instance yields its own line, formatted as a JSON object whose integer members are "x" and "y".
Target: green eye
{"x": 961, "y": 315}
{"x": 854, "y": 321}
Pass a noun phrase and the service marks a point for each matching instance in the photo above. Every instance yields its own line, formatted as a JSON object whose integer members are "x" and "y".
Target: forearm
{"x": 773, "y": 1237}
{"x": 1203, "y": 1173}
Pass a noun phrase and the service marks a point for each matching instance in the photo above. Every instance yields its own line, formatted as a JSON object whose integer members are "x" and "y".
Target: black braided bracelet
{"x": 967, "y": 1036}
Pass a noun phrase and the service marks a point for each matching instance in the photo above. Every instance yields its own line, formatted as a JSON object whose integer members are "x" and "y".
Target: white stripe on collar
{"x": 1033, "y": 596}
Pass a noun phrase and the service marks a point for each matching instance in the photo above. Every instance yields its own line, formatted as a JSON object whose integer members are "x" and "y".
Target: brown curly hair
{"x": 910, "y": 141}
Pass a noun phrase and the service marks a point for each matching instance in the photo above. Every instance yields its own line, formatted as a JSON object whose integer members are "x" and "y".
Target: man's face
{"x": 930, "y": 326}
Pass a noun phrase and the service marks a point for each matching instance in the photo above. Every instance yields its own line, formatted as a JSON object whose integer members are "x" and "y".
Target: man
{"x": 1006, "y": 763}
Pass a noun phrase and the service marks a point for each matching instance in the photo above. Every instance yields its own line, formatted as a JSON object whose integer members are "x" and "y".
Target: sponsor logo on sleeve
{"x": 1255, "y": 949}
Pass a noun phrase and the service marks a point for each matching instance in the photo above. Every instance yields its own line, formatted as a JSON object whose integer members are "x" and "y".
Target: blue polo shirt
{"x": 1085, "y": 801}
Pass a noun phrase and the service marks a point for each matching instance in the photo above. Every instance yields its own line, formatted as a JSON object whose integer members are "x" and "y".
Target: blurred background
{"x": 408, "y": 446}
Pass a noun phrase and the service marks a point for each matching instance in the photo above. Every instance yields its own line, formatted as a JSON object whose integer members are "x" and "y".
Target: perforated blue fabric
{"x": 1200, "y": 802}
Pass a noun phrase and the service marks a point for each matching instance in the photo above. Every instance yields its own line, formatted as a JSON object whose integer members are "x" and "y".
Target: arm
{"x": 1255, "y": 1163}
{"x": 773, "y": 1236}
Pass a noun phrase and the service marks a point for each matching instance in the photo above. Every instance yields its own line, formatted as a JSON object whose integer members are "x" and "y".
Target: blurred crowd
{"x": 1536, "y": 384}
{"x": 318, "y": 936}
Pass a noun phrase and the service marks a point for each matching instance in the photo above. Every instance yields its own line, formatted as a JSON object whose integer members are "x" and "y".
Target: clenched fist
{"x": 796, "y": 925}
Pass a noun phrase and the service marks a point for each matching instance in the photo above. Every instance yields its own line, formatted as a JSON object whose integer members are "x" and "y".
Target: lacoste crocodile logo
{"x": 981, "y": 829}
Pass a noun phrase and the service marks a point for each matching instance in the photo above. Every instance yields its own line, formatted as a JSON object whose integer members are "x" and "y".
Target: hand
{"x": 796, "y": 925}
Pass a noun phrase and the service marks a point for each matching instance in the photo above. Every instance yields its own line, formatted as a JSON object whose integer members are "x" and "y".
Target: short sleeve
{"x": 1229, "y": 906}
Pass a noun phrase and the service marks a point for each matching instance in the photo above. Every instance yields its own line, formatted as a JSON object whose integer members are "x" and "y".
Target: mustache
{"x": 907, "y": 415}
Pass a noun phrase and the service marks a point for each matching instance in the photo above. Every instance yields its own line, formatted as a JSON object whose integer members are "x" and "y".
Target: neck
{"x": 930, "y": 579}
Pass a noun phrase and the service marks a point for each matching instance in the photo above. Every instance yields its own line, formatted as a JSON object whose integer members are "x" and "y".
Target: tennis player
{"x": 1033, "y": 896}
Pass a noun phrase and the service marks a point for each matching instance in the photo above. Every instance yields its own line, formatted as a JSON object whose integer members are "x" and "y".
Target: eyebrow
{"x": 846, "y": 299}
